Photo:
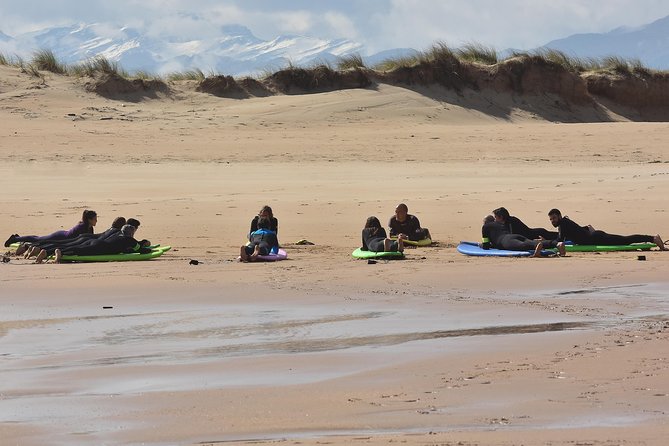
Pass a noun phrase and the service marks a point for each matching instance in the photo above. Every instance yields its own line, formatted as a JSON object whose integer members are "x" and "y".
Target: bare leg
{"x": 256, "y": 252}
{"x": 660, "y": 244}
{"x": 58, "y": 256}
{"x": 23, "y": 248}
{"x": 400, "y": 243}
{"x": 41, "y": 256}
{"x": 537, "y": 250}
{"x": 562, "y": 251}
{"x": 32, "y": 252}
{"x": 243, "y": 256}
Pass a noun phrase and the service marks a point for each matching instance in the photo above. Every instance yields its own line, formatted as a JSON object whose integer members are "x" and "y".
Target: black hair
{"x": 133, "y": 222}
{"x": 501, "y": 212}
{"x": 555, "y": 212}
{"x": 402, "y": 206}
{"x": 264, "y": 223}
{"x": 372, "y": 222}
{"x": 118, "y": 222}
{"x": 87, "y": 215}
{"x": 488, "y": 219}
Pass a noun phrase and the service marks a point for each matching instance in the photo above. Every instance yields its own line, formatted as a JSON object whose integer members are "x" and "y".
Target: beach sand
{"x": 438, "y": 349}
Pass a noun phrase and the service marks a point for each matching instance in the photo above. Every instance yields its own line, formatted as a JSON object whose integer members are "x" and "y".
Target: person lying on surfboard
{"x": 85, "y": 226}
{"x": 516, "y": 226}
{"x": 374, "y": 238}
{"x": 403, "y": 223}
{"x": 587, "y": 235}
{"x": 122, "y": 243}
{"x": 496, "y": 235}
{"x": 33, "y": 249}
{"x": 262, "y": 242}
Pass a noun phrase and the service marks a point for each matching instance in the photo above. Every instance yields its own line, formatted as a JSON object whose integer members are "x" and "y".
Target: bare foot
{"x": 400, "y": 243}
{"x": 32, "y": 252}
{"x": 41, "y": 256}
{"x": 256, "y": 252}
{"x": 537, "y": 250}
{"x": 22, "y": 249}
{"x": 660, "y": 244}
{"x": 243, "y": 256}
{"x": 386, "y": 244}
{"x": 562, "y": 251}
{"x": 58, "y": 256}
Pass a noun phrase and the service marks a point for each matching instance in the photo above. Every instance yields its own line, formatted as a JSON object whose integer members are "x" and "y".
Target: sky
{"x": 377, "y": 24}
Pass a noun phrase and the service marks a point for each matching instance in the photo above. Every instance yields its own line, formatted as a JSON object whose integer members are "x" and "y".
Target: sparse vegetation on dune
{"x": 45, "y": 60}
{"x": 350, "y": 62}
{"x": 475, "y": 52}
{"x": 97, "y": 65}
{"x": 190, "y": 75}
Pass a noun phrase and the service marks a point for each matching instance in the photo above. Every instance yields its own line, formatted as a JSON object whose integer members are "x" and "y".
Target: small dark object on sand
{"x": 107, "y": 308}
{"x": 5, "y": 259}
{"x": 371, "y": 262}
{"x": 641, "y": 258}
{"x": 194, "y": 262}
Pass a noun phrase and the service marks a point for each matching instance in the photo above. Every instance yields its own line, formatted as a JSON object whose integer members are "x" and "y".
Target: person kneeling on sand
{"x": 403, "y": 223}
{"x": 262, "y": 242}
{"x": 374, "y": 238}
{"x": 122, "y": 243}
{"x": 587, "y": 235}
{"x": 496, "y": 235}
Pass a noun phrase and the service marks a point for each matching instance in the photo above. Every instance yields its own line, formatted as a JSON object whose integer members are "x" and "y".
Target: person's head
{"x": 488, "y": 219}
{"x": 133, "y": 222}
{"x": 372, "y": 222}
{"x": 501, "y": 215}
{"x": 266, "y": 212}
{"x": 555, "y": 216}
{"x": 118, "y": 222}
{"x": 89, "y": 217}
{"x": 401, "y": 212}
{"x": 128, "y": 230}
{"x": 264, "y": 223}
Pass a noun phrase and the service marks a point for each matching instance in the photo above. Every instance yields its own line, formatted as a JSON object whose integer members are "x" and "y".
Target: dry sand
{"x": 438, "y": 349}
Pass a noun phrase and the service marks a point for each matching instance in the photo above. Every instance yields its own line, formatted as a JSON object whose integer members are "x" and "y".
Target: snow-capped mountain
{"x": 235, "y": 50}
{"x": 648, "y": 43}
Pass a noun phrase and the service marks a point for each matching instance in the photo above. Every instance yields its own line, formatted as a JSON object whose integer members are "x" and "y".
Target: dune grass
{"x": 98, "y": 64}
{"x": 45, "y": 60}
{"x": 475, "y": 52}
{"x": 189, "y": 75}
{"x": 350, "y": 62}
{"x": 4, "y": 60}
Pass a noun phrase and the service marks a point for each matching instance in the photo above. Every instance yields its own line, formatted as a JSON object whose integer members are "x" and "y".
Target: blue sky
{"x": 378, "y": 24}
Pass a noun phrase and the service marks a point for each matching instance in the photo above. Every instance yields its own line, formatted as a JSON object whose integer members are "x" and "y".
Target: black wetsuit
{"x": 409, "y": 227}
{"x": 119, "y": 244}
{"x": 373, "y": 240}
{"x": 581, "y": 235}
{"x": 266, "y": 241}
{"x": 516, "y": 226}
{"x": 81, "y": 240}
{"x": 496, "y": 235}
{"x": 273, "y": 225}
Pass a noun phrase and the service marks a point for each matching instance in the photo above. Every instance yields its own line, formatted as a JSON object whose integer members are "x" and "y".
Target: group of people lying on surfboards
{"x": 404, "y": 230}
{"x": 503, "y": 231}
{"x": 82, "y": 241}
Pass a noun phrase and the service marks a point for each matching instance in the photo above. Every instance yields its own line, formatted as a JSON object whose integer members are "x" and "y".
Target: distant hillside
{"x": 648, "y": 43}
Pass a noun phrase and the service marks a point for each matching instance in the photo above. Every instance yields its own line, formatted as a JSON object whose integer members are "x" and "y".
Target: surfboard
{"x": 280, "y": 255}
{"x": 135, "y": 256}
{"x": 360, "y": 254}
{"x": 473, "y": 249}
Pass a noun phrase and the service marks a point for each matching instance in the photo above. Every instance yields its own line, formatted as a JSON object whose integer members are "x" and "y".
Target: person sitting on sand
{"x": 587, "y": 235}
{"x": 32, "y": 249}
{"x": 496, "y": 235}
{"x": 374, "y": 238}
{"x": 516, "y": 226}
{"x": 262, "y": 242}
{"x": 122, "y": 243}
{"x": 85, "y": 226}
{"x": 403, "y": 223}
{"x": 265, "y": 212}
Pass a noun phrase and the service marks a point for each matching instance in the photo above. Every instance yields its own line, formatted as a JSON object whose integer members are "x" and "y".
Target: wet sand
{"x": 321, "y": 348}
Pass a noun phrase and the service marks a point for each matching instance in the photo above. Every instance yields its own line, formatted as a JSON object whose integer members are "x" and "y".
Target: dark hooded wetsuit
{"x": 516, "y": 226}
{"x": 273, "y": 225}
{"x": 266, "y": 241}
{"x": 581, "y": 235}
{"x": 409, "y": 227}
{"x": 373, "y": 240}
{"x": 119, "y": 244}
{"x": 496, "y": 235}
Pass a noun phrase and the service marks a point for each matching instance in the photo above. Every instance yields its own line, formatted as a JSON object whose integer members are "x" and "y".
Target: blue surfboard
{"x": 473, "y": 249}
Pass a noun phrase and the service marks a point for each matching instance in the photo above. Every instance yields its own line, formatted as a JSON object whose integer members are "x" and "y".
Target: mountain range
{"x": 235, "y": 50}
